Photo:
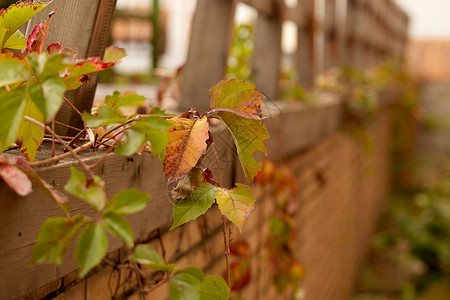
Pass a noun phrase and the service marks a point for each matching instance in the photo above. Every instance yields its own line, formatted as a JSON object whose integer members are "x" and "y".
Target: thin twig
{"x": 101, "y": 159}
{"x": 72, "y": 151}
{"x": 227, "y": 249}
{"x": 73, "y": 107}
{"x": 156, "y": 285}
{"x": 77, "y": 137}
{"x": 66, "y": 138}
{"x": 53, "y": 138}
{"x": 57, "y": 158}
{"x": 67, "y": 126}
{"x": 161, "y": 243}
{"x": 218, "y": 164}
{"x": 110, "y": 138}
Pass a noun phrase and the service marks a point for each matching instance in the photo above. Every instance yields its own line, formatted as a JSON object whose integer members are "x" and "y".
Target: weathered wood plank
{"x": 267, "y": 53}
{"x": 208, "y": 51}
{"x": 82, "y": 25}
{"x": 22, "y": 217}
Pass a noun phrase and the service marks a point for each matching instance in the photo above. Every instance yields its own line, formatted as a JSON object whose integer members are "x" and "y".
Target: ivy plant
{"x": 33, "y": 80}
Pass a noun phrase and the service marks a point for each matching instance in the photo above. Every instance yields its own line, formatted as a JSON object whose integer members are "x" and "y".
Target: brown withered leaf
{"x": 188, "y": 184}
{"x": 187, "y": 143}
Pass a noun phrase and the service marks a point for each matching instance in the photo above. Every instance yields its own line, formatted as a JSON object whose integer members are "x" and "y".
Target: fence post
{"x": 208, "y": 51}
{"x": 267, "y": 54}
{"x": 82, "y": 25}
{"x": 305, "y": 44}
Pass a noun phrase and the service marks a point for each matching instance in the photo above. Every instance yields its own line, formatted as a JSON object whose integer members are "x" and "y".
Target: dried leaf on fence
{"x": 236, "y": 204}
{"x": 187, "y": 143}
{"x": 188, "y": 184}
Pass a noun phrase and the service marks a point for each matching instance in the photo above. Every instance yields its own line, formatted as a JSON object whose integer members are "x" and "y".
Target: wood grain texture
{"x": 22, "y": 217}
{"x": 208, "y": 52}
{"x": 82, "y": 25}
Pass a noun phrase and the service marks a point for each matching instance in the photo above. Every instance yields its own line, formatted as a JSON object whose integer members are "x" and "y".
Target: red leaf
{"x": 37, "y": 37}
{"x": 15, "y": 178}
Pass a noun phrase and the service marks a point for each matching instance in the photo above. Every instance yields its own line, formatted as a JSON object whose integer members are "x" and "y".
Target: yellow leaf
{"x": 187, "y": 143}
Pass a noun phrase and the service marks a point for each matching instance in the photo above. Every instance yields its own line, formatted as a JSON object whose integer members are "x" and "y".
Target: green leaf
{"x": 12, "y": 107}
{"x": 91, "y": 247}
{"x": 55, "y": 237}
{"x": 93, "y": 192}
{"x": 155, "y": 130}
{"x": 249, "y": 136}
{"x": 117, "y": 99}
{"x": 185, "y": 285}
{"x": 214, "y": 288}
{"x": 114, "y": 53}
{"x": 146, "y": 255}
{"x": 12, "y": 70}
{"x": 128, "y": 201}
{"x": 238, "y": 105}
{"x": 16, "y": 41}
{"x": 117, "y": 225}
{"x": 18, "y": 14}
{"x": 30, "y": 134}
{"x": 3, "y": 32}
{"x": 237, "y": 95}
{"x": 193, "y": 206}
{"x": 236, "y": 204}
{"x": 48, "y": 96}
{"x": 105, "y": 116}
{"x": 134, "y": 141}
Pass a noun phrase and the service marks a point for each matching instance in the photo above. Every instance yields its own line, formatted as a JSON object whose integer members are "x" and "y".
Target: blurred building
{"x": 429, "y": 60}
{"x": 133, "y": 30}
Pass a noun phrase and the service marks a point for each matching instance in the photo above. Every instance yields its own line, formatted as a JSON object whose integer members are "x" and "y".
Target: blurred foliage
{"x": 239, "y": 64}
{"x": 290, "y": 89}
{"x": 410, "y": 254}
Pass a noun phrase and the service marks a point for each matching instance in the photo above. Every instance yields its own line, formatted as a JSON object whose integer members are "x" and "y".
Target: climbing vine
{"x": 33, "y": 80}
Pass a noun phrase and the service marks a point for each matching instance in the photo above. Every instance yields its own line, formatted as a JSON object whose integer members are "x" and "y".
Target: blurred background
{"x": 409, "y": 255}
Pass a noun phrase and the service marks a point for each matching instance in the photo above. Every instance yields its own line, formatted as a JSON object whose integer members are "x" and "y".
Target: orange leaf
{"x": 187, "y": 143}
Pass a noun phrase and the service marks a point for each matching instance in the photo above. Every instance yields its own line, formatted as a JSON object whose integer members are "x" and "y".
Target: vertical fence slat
{"x": 208, "y": 52}
{"x": 305, "y": 44}
{"x": 82, "y": 25}
{"x": 267, "y": 53}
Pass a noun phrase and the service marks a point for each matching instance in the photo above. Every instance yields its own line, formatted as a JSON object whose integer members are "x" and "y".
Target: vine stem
{"x": 227, "y": 249}
{"x": 71, "y": 151}
{"x": 53, "y": 138}
{"x": 218, "y": 164}
{"x": 73, "y": 107}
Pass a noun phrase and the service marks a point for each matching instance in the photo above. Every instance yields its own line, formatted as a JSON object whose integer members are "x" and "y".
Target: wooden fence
{"x": 335, "y": 219}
